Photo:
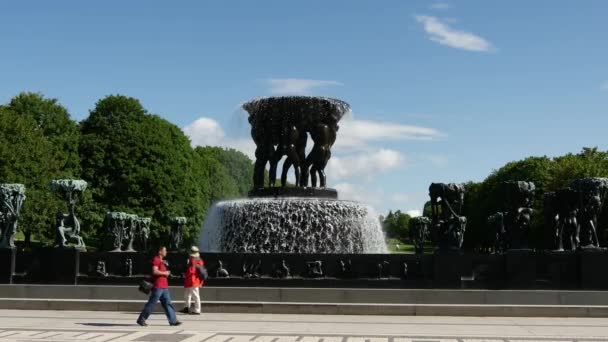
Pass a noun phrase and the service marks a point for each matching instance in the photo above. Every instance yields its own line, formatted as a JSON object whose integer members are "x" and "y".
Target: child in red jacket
{"x": 192, "y": 283}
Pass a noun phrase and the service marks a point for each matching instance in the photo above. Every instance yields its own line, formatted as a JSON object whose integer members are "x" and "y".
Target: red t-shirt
{"x": 160, "y": 282}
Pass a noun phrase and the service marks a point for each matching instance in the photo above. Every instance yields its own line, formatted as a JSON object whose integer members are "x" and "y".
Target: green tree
{"x": 139, "y": 163}
{"x": 55, "y": 123}
{"x": 39, "y": 144}
{"x": 26, "y": 157}
{"x": 548, "y": 174}
{"x": 396, "y": 225}
{"x": 235, "y": 171}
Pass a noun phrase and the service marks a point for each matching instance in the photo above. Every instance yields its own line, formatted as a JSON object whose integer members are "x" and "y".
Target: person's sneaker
{"x": 184, "y": 310}
{"x": 195, "y": 313}
{"x": 175, "y": 324}
{"x": 142, "y": 323}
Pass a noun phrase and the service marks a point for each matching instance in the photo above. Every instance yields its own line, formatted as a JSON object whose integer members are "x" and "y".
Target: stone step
{"x": 316, "y": 295}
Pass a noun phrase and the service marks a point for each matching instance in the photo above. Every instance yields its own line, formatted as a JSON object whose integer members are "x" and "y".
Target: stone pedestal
{"x": 7, "y": 265}
{"x": 520, "y": 268}
{"x": 64, "y": 263}
{"x": 447, "y": 269}
{"x": 557, "y": 270}
{"x": 592, "y": 266}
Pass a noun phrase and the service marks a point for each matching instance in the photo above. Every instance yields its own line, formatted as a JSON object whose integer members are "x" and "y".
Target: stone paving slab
{"x": 67, "y": 326}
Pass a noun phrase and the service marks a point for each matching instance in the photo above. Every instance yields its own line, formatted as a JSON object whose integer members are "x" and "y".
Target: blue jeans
{"x": 165, "y": 299}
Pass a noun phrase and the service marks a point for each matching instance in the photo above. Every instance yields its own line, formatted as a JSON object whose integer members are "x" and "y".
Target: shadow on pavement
{"x": 107, "y": 324}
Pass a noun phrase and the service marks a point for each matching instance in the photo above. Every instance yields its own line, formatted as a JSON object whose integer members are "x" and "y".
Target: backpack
{"x": 201, "y": 270}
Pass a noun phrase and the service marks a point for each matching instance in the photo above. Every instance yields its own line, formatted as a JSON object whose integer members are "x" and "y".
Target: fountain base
{"x": 294, "y": 192}
{"x": 292, "y": 225}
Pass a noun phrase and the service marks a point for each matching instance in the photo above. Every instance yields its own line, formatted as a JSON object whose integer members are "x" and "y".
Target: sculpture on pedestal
{"x": 591, "y": 193}
{"x": 143, "y": 232}
{"x": 551, "y": 221}
{"x": 568, "y": 225}
{"x": 129, "y": 267}
{"x": 512, "y": 226}
{"x": 127, "y": 229}
{"x": 221, "y": 271}
{"x": 131, "y": 226}
{"x": 314, "y": 269}
{"x": 11, "y": 200}
{"x": 282, "y": 219}
{"x": 68, "y": 226}
{"x": 446, "y": 206}
{"x": 100, "y": 270}
{"x": 116, "y": 223}
{"x": 280, "y": 127}
{"x": 497, "y": 222}
{"x": 383, "y": 269}
{"x": 252, "y": 269}
{"x": 177, "y": 231}
{"x": 519, "y": 196}
{"x": 419, "y": 232}
{"x": 282, "y": 270}
{"x": 345, "y": 268}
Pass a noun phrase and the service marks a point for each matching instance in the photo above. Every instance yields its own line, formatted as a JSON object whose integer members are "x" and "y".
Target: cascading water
{"x": 292, "y": 225}
{"x": 300, "y": 219}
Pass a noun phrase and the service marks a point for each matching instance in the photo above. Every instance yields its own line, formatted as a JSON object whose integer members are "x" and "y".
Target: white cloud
{"x": 364, "y": 165}
{"x": 297, "y": 85}
{"x": 414, "y": 212}
{"x": 440, "y": 6}
{"x": 208, "y": 132}
{"x": 205, "y": 131}
{"x": 443, "y": 34}
{"x": 357, "y": 133}
{"x": 356, "y": 192}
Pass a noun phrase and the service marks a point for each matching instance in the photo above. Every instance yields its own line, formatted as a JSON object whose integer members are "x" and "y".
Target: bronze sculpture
{"x": 446, "y": 206}
{"x": 12, "y": 197}
{"x": 567, "y": 200}
{"x": 68, "y": 225}
{"x": 419, "y": 232}
{"x": 280, "y": 127}
{"x": 177, "y": 231}
{"x": 591, "y": 195}
{"x": 551, "y": 221}
{"x": 518, "y": 213}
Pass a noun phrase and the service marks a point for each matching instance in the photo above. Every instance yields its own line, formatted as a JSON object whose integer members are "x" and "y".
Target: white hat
{"x": 194, "y": 252}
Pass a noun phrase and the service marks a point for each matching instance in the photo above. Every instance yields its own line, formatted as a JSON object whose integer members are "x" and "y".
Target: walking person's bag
{"x": 145, "y": 286}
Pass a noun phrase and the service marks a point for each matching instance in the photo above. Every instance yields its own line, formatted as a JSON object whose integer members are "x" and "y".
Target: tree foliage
{"x": 396, "y": 225}
{"x": 38, "y": 143}
{"x": 548, "y": 174}
{"x": 134, "y": 161}
{"x": 485, "y": 198}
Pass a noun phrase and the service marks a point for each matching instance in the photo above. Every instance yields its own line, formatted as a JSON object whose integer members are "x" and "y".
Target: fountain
{"x": 302, "y": 218}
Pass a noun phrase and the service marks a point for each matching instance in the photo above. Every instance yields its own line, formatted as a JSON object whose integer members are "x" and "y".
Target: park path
{"x": 62, "y": 326}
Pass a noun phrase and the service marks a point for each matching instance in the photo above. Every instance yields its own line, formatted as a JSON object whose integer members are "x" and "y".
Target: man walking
{"x": 160, "y": 291}
{"x": 193, "y": 280}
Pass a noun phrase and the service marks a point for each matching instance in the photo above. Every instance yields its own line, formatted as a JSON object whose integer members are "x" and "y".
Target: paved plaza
{"x": 50, "y": 326}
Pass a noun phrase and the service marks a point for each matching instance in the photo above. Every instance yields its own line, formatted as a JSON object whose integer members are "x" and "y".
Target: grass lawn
{"x": 405, "y": 247}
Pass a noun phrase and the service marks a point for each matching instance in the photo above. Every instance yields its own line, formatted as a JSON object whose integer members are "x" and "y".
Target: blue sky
{"x": 440, "y": 90}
